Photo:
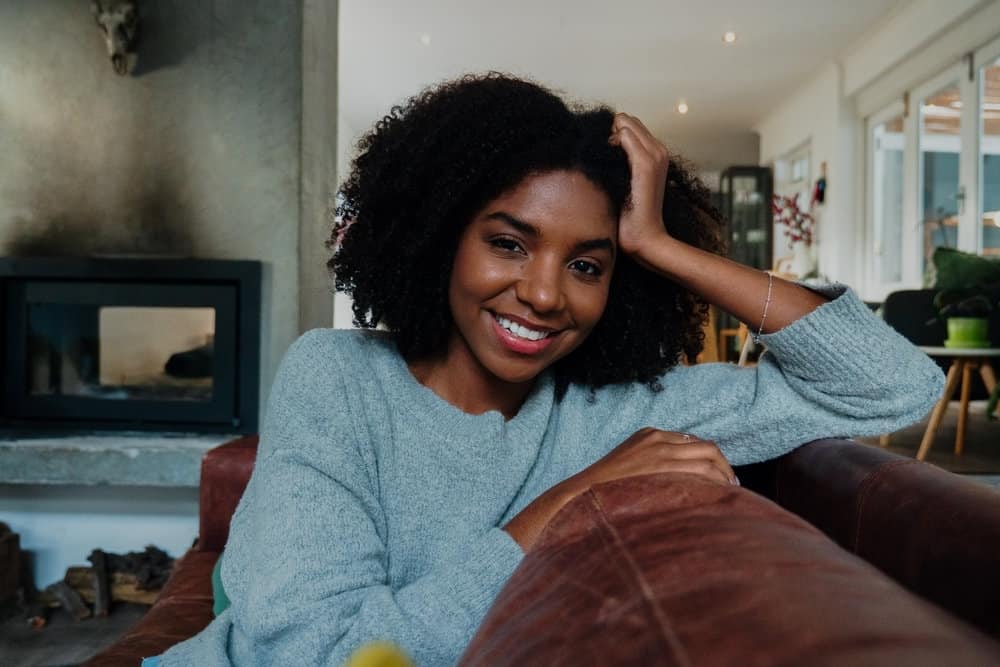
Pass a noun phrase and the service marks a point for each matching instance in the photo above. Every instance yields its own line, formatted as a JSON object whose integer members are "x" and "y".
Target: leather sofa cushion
{"x": 672, "y": 569}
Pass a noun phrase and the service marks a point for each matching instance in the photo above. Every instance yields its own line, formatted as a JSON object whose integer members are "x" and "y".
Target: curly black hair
{"x": 427, "y": 167}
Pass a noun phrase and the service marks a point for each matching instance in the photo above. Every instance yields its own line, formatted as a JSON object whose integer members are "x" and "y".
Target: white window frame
{"x": 982, "y": 57}
{"x": 876, "y": 289}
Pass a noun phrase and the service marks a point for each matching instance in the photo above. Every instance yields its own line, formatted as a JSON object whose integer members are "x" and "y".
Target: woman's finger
{"x": 698, "y": 449}
{"x": 645, "y": 169}
{"x": 650, "y": 143}
{"x": 701, "y": 467}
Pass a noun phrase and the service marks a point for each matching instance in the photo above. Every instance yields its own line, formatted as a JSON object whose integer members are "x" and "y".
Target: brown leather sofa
{"x": 673, "y": 570}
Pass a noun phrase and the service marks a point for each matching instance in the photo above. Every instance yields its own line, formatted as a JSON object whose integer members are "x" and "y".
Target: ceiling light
{"x": 729, "y": 37}
{"x": 682, "y": 108}
{"x": 425, "y": 39}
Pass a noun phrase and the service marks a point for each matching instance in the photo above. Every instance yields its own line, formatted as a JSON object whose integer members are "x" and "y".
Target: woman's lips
{"x": 518, "y": 344}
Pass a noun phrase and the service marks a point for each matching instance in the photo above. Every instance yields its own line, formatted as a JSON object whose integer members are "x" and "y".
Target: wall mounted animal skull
{"x": 119, "y": 23}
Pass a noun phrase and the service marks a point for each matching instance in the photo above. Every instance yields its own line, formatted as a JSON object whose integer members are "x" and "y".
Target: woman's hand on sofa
{"x": 645, "y": 452}
{"x": 650, "y": 450}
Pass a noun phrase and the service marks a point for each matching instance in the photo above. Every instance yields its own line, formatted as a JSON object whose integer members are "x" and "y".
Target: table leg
{"x": 950, "y": 383}
{"x": 963, "y": 408}
{"x": 989, "y": 377}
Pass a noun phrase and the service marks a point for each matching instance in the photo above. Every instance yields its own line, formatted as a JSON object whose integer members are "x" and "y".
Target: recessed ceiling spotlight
{"x": 425, "y": 39}
{"x": 682, "y": 108}
{"x": 729, "y": 37}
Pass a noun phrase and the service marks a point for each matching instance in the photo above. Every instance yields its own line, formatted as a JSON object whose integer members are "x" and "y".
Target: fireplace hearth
{"x": 112, "y": 344}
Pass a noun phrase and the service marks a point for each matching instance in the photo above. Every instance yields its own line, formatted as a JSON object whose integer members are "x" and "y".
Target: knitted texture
{"x": 375, "y": 508}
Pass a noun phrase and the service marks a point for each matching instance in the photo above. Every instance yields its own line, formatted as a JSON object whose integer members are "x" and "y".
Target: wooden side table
{"x": 964, "y": 361}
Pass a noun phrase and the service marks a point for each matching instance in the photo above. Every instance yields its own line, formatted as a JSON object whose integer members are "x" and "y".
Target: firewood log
{"x": 124, "y": 587}
{"x": 69, "y": 599}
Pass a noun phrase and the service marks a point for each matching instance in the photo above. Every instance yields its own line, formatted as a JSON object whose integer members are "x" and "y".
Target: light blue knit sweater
{"x": 375, "y": 507}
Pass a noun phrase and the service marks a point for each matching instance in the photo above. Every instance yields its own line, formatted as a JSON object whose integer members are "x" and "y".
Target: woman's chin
{"x": 514, "y": 373}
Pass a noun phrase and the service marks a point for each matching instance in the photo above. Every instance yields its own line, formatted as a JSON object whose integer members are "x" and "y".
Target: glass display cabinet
{"x": 745, "y": 201}
{"x": 746, "y": 204}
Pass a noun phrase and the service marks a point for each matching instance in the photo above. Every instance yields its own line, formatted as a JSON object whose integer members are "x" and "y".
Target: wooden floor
{"x": 63, "y": 641}
{"x": 982, "y": 442}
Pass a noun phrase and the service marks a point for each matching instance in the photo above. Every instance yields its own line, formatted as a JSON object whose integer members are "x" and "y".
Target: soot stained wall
{"x": 196, "y": 153}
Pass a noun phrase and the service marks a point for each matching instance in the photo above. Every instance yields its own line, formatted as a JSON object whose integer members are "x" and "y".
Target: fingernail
{"x": 735, "y": 481}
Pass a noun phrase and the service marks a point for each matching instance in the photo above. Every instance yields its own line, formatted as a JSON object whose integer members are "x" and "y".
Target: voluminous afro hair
{"x": 429, "y": 166}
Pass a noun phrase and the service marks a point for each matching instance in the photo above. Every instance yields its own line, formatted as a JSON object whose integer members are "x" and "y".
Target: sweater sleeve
{"x": 306, "y": 563}
{"x": 838, "y": 371}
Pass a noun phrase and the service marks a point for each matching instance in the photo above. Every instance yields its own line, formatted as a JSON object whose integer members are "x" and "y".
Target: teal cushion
{"x": 956, "y": 269}
{"x": 220, "y": 602}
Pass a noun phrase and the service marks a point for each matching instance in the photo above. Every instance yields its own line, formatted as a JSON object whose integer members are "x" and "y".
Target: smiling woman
{"x": 431, "y": 167}
{"x": 529, "y": 283}
{"x": 542, "y": 273}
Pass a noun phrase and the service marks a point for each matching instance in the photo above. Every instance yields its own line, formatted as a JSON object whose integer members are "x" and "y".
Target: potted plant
{"x": 799, "y": 228}
{"x": 966, "y": 314}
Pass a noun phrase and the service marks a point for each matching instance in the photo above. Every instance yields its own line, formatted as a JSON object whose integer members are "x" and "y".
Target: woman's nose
{"x": 540, "y": 287}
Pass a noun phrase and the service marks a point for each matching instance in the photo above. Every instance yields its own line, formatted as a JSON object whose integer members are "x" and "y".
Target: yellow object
{"x": 379, "y": 654}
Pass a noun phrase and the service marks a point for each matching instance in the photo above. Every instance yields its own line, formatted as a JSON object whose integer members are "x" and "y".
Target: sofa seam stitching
{"x": 666, "y": 630}
{"x": 868, "y": 485}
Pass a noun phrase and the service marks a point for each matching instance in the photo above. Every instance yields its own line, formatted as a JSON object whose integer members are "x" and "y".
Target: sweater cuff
{"x": 488, "y": 564}
{"x": 830, "y": 339}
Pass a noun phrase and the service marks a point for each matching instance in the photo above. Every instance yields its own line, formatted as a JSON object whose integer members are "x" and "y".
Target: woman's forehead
{"x": 545, "y": 199}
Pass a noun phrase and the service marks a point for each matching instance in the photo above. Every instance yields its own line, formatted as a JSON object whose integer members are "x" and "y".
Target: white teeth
{"x": 519, "y": 330}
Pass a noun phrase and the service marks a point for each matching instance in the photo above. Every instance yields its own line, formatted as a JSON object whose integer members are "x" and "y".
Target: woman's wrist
{"x": 660, "y": 254}
{"x": 527, "y": 526}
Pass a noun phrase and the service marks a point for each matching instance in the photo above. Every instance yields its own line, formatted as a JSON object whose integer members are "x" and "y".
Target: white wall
{"x": 347, "y": 138}
{"x": 818, "y": 114}
{"x": 61, "y": 525}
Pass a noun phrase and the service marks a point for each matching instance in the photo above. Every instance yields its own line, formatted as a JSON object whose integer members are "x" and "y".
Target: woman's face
{"x": 531, "y": 275}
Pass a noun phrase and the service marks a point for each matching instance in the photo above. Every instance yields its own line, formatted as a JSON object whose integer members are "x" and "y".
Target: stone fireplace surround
{"x": 222, "y": 144}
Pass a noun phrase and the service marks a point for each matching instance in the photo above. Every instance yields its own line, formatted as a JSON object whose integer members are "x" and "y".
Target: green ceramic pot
{"x": 967, "y": 332}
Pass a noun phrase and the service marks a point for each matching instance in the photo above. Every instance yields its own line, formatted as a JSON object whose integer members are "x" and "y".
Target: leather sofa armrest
{"x": 933, "y": 531}
{"x": 225, "y": 471}
{"x": 675, "y": 570}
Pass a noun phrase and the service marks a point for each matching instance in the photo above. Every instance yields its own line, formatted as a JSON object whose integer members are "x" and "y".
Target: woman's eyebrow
{"x": 528, "y": 229}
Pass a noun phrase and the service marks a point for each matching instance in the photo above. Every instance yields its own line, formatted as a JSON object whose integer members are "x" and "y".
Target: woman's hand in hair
{"x": 645, "y": 452}
{"x": 641, "y": 222}
{"x": 744, "y": 292}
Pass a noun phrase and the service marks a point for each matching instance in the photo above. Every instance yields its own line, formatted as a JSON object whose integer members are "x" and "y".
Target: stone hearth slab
{"x": 132, "y": 459}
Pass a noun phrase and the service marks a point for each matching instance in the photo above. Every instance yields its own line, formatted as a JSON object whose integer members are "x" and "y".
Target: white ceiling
{"x": 640, "y": 56}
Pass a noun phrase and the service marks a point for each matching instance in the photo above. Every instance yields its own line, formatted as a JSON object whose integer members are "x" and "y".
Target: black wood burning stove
{"x": 94, "y": 344}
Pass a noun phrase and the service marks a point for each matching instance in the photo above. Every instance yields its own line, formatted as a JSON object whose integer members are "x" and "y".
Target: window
{"x": 989, "y": 157}
{"x": 886, "y": 186}
{"x": 940, "y": 145}
{"x": 933, "y": 173}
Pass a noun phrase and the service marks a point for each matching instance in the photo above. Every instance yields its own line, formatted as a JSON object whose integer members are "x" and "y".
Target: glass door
{"x": 933, "y": 173}
{"x": 988, "y": 127}
{"x": 941, "y": 197}
{"x": 942, "y": 192}
{"x": 886, "y": 149}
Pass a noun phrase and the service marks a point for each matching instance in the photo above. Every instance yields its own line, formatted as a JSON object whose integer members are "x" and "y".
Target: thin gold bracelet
{"x": 767, "y": 302}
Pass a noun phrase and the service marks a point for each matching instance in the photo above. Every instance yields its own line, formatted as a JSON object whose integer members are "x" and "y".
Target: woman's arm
{"x": 737, "y": 289}
{"x": 841, "y": 371}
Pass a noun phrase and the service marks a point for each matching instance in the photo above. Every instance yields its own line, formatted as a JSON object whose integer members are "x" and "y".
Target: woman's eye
{"x": 587, "y": 268}
{"x": 506, "y": 244}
